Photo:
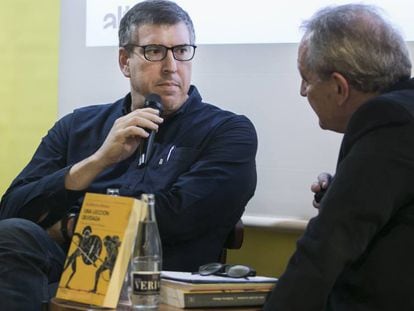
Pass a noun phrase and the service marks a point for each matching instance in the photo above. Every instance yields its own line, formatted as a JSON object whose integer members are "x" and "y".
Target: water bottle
{"x": 112, "y": 191}
{"x": 146, "y": 261}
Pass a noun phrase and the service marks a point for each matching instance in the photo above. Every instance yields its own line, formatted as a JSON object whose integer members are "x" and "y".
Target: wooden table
{"x": 63, "y": 305}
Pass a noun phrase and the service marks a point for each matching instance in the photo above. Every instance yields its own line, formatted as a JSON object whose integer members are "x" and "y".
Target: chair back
{"x": 234, "y": 240}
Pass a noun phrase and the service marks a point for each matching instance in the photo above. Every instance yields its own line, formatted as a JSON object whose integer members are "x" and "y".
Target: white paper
{"x": 196, "y": 278}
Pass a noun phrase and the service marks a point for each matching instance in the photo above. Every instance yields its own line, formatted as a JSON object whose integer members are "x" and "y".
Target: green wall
{"x": 29, "y": 33}
{"x": 29, "y": 48}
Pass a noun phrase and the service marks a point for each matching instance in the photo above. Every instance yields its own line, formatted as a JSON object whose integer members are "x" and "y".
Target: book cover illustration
{"x": 100, "y": 249}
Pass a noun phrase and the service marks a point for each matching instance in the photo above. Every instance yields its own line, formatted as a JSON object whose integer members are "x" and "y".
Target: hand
{"x": 62, "y": 234}
{"x": 319, "y": 187}
{"x": 55, "y": 233}
{"x": 126, "y": 134}
{"x": 122, "y": 141}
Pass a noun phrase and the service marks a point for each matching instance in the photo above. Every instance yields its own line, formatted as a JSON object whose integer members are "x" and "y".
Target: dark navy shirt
{"x": 202, "y": 172}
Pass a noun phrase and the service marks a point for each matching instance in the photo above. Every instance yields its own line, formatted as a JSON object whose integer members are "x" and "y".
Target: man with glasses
{"x": 201, "y": 168}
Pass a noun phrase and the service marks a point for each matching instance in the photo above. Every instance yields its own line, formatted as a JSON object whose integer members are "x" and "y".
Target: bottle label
{"x": 146, "y": 283}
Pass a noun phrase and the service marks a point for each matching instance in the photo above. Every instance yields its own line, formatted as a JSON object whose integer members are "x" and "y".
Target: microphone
{"x": 152, "y": 101}
{"x": 319, "y": 195}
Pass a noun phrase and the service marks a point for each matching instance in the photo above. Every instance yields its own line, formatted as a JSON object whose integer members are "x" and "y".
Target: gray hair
{"x": 154, "y": 12}
{"x": 358, "y": 42}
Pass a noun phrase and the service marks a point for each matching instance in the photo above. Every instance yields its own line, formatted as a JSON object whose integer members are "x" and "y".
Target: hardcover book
{"x": 220, "y": 298}
{"x": 186, "y": 290}
{"x": 100, "y": 249}
{"x": 194, "y": 282}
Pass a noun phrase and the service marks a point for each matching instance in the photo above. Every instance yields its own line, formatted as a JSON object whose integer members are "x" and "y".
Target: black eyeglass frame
{"x": 164, "y": 48}
{"x": 227, "y": 270}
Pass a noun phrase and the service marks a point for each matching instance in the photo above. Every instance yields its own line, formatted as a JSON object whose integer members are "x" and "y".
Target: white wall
{"x": 258, "y": 80}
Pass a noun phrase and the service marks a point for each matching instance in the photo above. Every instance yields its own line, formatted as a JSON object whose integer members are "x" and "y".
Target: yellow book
{"x": 100, "y": 250}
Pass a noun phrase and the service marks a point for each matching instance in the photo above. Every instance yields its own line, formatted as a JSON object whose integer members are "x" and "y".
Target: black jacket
{"x": 358, "y": 252}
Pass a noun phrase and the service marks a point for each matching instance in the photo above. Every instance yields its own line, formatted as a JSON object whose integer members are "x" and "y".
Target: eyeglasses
{"x": 157, "y": 52}
{"x": 233, "y": 271}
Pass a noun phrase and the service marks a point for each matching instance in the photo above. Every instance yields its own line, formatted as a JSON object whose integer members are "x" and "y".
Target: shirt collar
{"x": 405, "y": 83}
{"x": 126, "y": 105}
{"x": 193, "y": 96}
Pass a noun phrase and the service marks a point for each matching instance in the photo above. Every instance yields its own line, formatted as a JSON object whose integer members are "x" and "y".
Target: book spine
{"x": 199, "y": 300}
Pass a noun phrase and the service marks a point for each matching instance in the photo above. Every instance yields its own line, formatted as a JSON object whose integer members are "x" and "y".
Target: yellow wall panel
{"x": 268, "y": 251}
{"x": 29, "y": 46}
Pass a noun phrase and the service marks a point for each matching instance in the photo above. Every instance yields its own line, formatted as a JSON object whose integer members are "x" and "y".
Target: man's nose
{"x": 169, "y": 62}
{"x": 302, "y": 90}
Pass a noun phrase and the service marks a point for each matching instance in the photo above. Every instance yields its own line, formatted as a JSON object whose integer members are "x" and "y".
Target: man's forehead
{"x": 302, "y": 52}
{"x": 149, "y": 29}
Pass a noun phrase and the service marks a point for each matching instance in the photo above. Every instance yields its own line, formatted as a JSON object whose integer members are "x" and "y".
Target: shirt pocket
{"x": 175, "y": 163}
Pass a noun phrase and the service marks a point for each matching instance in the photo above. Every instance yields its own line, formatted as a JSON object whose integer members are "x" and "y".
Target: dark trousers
{"x": 30, "y": 265}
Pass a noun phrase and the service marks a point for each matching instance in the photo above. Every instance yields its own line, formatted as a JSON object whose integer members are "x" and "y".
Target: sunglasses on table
{"x": 232, "y": 271}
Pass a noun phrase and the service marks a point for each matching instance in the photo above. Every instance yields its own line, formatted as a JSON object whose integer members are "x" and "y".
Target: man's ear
{"x": 342, "y": 87}
{"x": 123, "y": 59}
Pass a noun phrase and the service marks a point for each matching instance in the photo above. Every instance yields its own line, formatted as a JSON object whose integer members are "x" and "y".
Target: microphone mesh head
{"x": 153, "y": 101}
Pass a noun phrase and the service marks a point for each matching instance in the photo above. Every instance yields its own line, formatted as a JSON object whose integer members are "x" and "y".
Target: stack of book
{"x": 186, "y": 290}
